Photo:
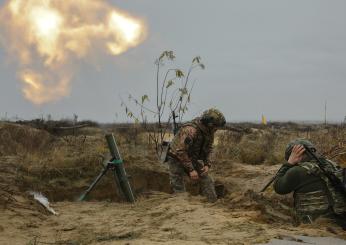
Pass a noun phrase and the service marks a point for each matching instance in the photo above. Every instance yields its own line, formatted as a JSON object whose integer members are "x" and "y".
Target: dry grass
{"x": 21, "y": 140}
{"x": 268, "y": 145}
{"x": 45, "y": 157}
{"x": 256, "y": 146}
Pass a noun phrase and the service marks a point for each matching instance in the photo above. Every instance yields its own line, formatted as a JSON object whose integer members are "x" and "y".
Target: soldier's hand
{"x": 205, "y": 170}
{"x": 296, "y": 155}
{"x": 193, "y": 175}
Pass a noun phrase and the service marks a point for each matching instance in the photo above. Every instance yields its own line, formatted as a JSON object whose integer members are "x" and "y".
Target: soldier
{"x": 314, "y": 194}
{"x": 190, "y": 151}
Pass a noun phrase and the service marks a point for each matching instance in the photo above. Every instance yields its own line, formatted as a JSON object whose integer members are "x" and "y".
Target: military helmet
{"x": 303, "y": 142}
{"x": 213, "y": 117}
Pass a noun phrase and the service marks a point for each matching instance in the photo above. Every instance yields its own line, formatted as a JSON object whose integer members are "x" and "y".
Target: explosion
{"x": 47, "y": 37}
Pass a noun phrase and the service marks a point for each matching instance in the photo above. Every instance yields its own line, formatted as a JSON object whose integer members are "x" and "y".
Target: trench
{"x": 68, "y": 186}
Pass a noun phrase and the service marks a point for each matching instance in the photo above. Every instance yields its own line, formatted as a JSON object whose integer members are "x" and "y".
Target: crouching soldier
{"x": 190, "y": 150}
{"x": 314, "y": 193}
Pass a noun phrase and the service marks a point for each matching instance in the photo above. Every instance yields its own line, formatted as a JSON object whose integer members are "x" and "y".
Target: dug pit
{"x": 69, "y": 184}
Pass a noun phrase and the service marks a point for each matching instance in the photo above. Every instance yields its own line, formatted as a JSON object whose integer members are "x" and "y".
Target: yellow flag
{"x": 264, "y": 120}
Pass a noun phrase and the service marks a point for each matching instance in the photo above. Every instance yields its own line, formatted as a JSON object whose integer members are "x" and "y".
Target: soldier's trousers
{"x": 176, "y": 176}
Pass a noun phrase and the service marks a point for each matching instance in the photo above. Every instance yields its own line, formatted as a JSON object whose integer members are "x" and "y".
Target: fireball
{"x": 47, "y": 38}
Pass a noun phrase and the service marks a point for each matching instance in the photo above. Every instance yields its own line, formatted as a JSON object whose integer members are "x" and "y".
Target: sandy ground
{"x": 160, "y": 218}
{"x": 243, "y": 217}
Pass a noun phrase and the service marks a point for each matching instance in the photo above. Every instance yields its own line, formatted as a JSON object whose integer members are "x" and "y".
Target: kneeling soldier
{"x": 190, "y": 150}
{"x": 314, "y": 193}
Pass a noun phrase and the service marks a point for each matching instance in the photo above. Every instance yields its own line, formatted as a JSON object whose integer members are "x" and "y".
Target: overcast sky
{"x": 283, "y": 59}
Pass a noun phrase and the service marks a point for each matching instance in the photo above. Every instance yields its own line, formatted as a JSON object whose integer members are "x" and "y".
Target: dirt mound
{"x": 272, "y": 209}
{"x": 12, "y": 198}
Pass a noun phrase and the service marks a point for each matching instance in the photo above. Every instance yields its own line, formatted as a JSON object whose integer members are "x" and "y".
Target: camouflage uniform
{"x": 190, "y": 150}
{"x": 314, "y": 195}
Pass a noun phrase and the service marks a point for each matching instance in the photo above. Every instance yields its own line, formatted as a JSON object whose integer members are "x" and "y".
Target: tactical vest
{"x": 321, "y": 201}
{"x": 201, "y": 145}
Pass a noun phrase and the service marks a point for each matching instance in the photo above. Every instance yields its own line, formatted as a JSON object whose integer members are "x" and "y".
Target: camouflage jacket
{"x": 313, "y": 192}
{"x": 193, "y": 142}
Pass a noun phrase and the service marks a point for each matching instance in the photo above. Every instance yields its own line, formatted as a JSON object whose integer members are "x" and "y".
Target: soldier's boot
{"x": 208, "y": 188}
{"x": 176, "y": 176}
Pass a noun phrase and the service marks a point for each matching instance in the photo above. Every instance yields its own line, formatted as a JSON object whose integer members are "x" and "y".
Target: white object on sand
{"x": 42, "y": 200}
